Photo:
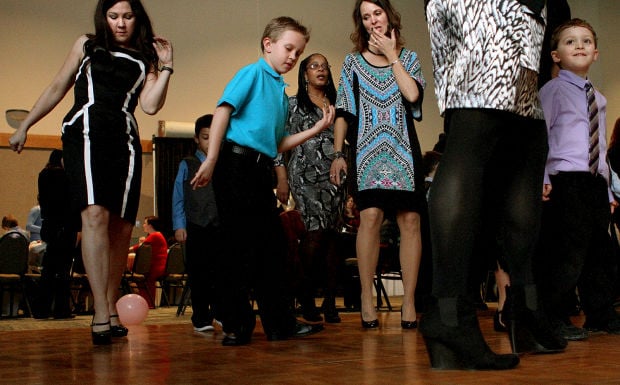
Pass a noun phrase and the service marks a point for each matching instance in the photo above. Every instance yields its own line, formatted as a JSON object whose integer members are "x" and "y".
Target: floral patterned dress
{"x": 316, "y": 198}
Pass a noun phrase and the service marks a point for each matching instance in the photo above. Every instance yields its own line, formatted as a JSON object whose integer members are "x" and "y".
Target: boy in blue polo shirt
{"x": 247, "y": 132}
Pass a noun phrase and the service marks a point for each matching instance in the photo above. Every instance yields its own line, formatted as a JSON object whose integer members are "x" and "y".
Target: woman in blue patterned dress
{"x": 316, "y": 198}
{"x": 379, "y": 95}
{"x": 121, "y": 64}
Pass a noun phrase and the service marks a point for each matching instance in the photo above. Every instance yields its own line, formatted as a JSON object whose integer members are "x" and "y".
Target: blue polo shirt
{"x": 260, "y": 108}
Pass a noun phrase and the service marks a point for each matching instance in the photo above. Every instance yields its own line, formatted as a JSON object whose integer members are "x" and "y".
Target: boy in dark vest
{"x": 195, "y": 223}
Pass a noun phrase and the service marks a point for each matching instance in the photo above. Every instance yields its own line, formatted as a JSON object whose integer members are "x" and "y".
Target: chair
{"x": 185, "y": 300}
{"x": 388, "y": 268}
{"x": 174, "y": 277}
{"x": 13, "y": 268}
{"x": 81, "y": 294}
{"x": 140, "y": 270}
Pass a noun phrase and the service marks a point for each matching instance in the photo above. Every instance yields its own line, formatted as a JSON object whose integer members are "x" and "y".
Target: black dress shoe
{"x": 313, "y": 317}
{"x": 370, "y": 324}
{"x": 233, "y": 339}
{"x": 332, "y": 318}
{"x": 329, "y": 310}
{"x": 300, "y": 330}
{"x": 606, "y": 322}
{"x": 277, "y": 336}
{"x": 408, "y": 324}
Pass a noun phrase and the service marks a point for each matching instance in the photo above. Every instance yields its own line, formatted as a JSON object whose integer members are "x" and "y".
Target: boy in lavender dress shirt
{"x": 578, "y": 203}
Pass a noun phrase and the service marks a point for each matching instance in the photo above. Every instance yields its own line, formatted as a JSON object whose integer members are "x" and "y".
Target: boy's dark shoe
{"x": 608, "y": 324}
{"x": 301, "y": 330}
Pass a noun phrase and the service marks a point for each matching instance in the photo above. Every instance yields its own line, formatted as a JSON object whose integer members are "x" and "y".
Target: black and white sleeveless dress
{"x": 101, "y": 143}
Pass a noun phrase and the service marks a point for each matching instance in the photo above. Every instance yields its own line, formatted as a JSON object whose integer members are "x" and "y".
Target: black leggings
{"x": 494, "y": 160}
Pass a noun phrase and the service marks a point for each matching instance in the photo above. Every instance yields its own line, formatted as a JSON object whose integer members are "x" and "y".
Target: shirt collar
{"x": 200, "y": 155}
{"x": 267, "y": 68}
{"x": 573, "y": 79}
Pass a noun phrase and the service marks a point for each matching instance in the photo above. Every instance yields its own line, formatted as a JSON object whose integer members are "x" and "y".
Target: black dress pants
{"x": 54, "y": 292}
{"x": 202, "y": 252}
{"x": 575, "y": 245}
{"x": 254, "y": 259}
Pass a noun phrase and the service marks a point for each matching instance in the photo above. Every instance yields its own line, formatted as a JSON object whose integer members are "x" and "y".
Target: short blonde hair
{"x": 278, "y": 25}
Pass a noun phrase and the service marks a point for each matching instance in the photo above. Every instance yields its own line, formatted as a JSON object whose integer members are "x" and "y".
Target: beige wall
{"x": 212, "y": 40}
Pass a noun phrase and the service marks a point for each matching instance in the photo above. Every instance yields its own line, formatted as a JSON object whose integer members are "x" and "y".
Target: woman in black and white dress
{"x": 121, "y": 64}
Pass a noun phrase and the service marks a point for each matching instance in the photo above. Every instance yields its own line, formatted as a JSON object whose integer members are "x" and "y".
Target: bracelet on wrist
{"x": 166, "y": 68}
{"x": 338, "y": 155}
{"x": 394, "y": 62}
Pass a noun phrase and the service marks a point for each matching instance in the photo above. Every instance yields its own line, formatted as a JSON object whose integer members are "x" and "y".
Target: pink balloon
{"x": 132, "y": 309}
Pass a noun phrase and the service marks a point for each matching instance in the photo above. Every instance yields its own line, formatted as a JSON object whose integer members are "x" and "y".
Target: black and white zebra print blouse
{"x": 486, "y": 54}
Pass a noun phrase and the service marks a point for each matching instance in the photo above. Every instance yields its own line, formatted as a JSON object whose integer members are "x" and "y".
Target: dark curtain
{"x": 167, "y": 153}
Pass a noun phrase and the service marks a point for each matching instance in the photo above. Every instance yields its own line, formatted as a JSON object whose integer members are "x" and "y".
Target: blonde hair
{"x": 279, "y": 25}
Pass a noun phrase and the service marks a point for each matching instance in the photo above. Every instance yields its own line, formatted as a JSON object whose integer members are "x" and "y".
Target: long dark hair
{"x": 303, "y": 99}
{"x": 360, "y": 36}
{"x": 142, "y": 39}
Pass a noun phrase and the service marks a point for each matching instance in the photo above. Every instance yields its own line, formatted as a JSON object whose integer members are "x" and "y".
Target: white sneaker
{"x": 205, "y": 328}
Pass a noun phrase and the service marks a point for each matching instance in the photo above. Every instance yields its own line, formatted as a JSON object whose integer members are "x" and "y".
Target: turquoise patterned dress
{"x": 387, "y": 148}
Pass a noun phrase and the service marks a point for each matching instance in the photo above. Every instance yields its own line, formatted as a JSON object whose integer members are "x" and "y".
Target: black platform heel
{"x": 529, "y": 329}
{"x": 102, "y": 337}
{"x": 118, "y": 330}
{"x": 454, "y": 341}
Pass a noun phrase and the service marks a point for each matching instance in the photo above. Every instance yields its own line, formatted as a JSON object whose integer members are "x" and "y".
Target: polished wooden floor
{"x": 166, "y": 350}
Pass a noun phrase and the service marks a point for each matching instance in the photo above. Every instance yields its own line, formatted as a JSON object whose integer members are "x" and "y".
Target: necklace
{"x": 323, "y": 99}
{"x": 374, "y": 53}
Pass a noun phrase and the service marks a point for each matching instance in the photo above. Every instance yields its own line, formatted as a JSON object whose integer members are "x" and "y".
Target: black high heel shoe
{"x": 101, "y": 337}
{"x": 408, "y": 324}
{"x": 529, "y": 328}
{"x": 118, "y": 330}
{"x": 454, "y": 341}
{"x": 370, "y": 324}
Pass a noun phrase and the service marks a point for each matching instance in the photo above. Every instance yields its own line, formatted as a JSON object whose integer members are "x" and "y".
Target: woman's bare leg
{"x": 410, "y": 256}
{"x": 502, "y": 279}
{"x": 96, "y": 256}
{"x": 368, "y": 238}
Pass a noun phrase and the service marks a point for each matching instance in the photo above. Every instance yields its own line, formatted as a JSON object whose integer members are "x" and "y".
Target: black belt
{"x": 248, "y": 152}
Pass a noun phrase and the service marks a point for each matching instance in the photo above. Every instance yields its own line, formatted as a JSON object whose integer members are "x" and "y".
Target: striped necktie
{"x": 593, "y": 117}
